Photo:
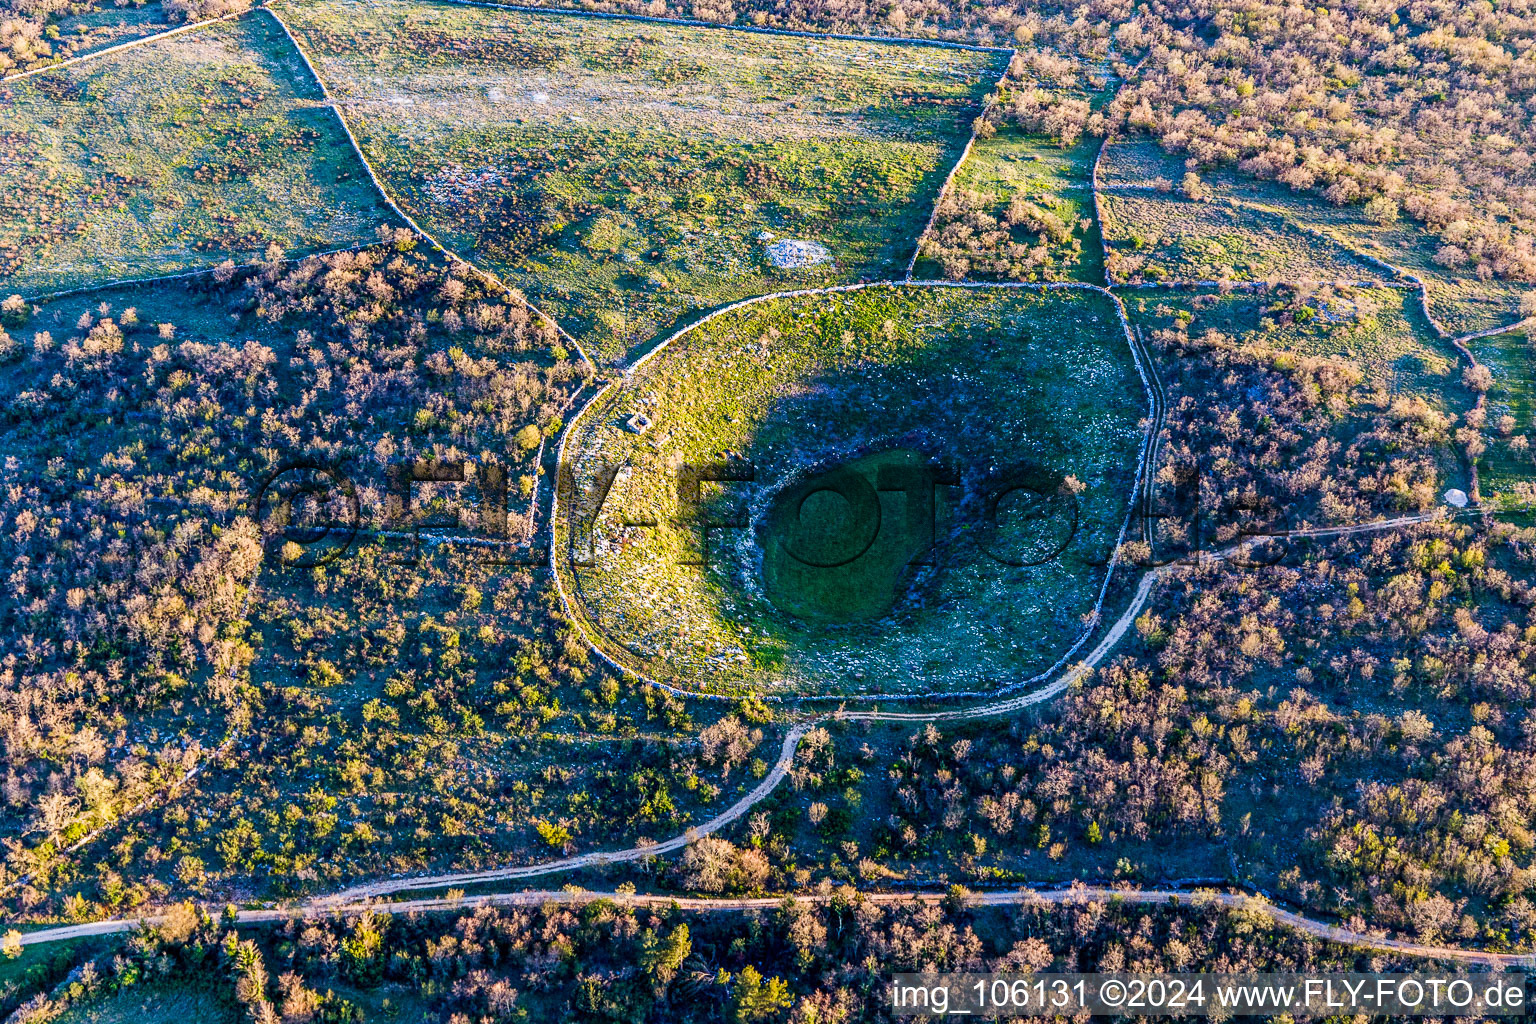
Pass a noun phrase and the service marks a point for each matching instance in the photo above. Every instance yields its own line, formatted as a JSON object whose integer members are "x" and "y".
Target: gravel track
{"x": 1076, "y": 895}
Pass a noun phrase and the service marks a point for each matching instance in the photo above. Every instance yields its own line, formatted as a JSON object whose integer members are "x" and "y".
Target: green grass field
{"x": 1156, "y": 237}
{"x": 1508, "y": 467}
{"x": 839, "y": 402}
{"x": 173, "y": 156}
{"x": 156, "y": 1004}
{"x": 1138, "y": 163}
{"x": 625, "y": 175}
{"x": 1461, "y": 302}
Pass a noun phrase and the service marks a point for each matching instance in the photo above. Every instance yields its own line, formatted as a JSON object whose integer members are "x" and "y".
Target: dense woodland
{"x": 140, "y": 446}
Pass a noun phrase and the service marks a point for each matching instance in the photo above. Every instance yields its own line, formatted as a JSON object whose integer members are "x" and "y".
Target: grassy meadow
{"x": 1157, "y": 234}
{"x": 1460, "y": 301}
{"x": 173, "y": 156}
{"x": 1011, "y": 165}
{"x": 165, "y": 1003}
{"x": 1507, "y": 470}
{"x": 625, "y": 175}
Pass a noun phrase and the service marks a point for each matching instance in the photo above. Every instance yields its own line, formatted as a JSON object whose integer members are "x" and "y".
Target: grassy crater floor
{"x": 626, "y": 174}
{"x": 850, "y": 569}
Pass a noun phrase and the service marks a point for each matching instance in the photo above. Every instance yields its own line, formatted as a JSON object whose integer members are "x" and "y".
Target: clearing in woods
{"x": 1459, "y": 300}
{"x": 1020, "y": 208}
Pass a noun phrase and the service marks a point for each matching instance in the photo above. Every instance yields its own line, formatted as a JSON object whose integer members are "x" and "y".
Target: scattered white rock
{"x": 789, "y": 253}
{"x": 541, "y": 98}
{"x": 766, "y": 236}
{"x": 1456, "y": 497}
{"x": 454, "y": 186}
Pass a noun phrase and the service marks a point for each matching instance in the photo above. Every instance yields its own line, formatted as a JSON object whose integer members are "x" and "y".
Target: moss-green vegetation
{"x": 1019, "y": 208}
{"x": 624, "y": 174}
{"x": 173, "y": 156}
{"x": 1507, "y": 469}
{"x": 1460, "y": 301}
{"x": 1135, "y": 163}
{"x": 828, "y": 522}
{"x": 39, "y": 967}
{"x": 103, "y": 24}
{"x": 159, "y": 1004}
{"x": 1019, "y": 396}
